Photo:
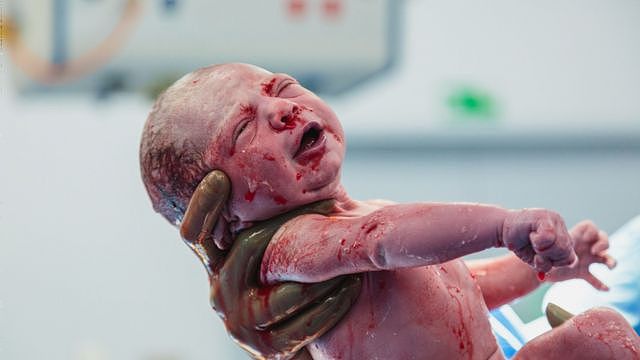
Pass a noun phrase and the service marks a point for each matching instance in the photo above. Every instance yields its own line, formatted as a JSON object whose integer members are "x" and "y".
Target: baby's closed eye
{"x": 244, "y": 132}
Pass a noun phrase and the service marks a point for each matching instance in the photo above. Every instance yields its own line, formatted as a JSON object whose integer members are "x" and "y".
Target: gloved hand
{"x": 275, "y": 321}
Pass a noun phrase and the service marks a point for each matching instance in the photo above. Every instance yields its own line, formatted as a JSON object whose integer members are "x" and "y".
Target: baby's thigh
{"x": 599, "y": 333}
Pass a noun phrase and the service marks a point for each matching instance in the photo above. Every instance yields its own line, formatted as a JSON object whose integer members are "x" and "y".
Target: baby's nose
{"x": 282, "y": 115}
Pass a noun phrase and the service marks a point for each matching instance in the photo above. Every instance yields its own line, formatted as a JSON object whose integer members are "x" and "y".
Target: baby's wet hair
{"x": 171, "y": 162}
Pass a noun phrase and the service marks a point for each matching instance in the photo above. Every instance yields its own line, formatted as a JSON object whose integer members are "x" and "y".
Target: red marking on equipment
{"x": 296, "y": 7}
{"x": 279, "y": 200}
{"x": 332, "y": 8}
{"x": 249, "y": 195}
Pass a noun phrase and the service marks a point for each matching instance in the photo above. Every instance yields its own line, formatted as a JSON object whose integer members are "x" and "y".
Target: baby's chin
{"x": 265, "y": 206}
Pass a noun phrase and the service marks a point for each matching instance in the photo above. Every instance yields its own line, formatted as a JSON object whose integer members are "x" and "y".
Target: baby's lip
{"x": 310, "y": 141}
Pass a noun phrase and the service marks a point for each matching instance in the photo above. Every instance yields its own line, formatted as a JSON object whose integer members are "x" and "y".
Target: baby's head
{"x": 280, "y": 144}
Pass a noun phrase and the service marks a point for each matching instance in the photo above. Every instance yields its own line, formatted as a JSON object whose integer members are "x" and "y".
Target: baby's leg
{"x": 598, "y": 333}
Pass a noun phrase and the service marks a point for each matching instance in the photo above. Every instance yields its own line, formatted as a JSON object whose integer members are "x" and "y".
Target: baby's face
{"x": 279, "y": 143}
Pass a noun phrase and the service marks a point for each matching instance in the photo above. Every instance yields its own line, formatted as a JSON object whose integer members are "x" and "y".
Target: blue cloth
{"x": 507, "y": 328}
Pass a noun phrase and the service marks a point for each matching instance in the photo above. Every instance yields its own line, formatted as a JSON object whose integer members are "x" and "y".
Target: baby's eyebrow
{"x": 272, "y": 87}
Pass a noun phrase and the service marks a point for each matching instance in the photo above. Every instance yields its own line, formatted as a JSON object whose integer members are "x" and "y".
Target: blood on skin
{"x": 249, "y": 196}
{"x": 460, "y": 331}
{"x": 298, "y": 176}
{"x": 248, "y": 111}
{"x": 291, "y": 120}
{"x": 371, "y": 228}
{"x": 268, "y": 157}
{"x": 541, "y": 275}
{"x": 279, "y": 200}
{"x": 267, "y": 88}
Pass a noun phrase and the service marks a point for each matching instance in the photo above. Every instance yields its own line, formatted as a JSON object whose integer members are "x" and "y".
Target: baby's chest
{"x": 407, "y": 312}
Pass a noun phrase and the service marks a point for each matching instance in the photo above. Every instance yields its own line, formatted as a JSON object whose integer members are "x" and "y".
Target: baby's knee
{"x": 604, "y": 331}
{"x": 603, "y": 318}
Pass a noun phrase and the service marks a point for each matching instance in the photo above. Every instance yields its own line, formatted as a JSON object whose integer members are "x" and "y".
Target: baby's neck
{"x": 343, "y": 204}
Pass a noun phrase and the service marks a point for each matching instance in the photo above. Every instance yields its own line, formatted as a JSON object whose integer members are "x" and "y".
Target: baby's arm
{"x": 507, "y": 278}
{"x": 409, "y": 235}
{"x": 503, "y": 279}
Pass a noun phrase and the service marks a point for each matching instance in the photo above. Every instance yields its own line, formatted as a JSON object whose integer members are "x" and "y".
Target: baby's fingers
{"x": 595, "y": 282}
{"x": 601, "y": 244}
{"x": 541, "y": 264}
{"x": 608, "y": 260}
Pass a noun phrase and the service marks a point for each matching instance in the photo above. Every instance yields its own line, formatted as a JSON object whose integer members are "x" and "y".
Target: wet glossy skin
{"x": 418, "y": 299}
{"x": 261, "y": 119}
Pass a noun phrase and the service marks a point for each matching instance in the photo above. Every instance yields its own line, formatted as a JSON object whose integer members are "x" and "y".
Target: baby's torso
{"x": 433, "y": 312}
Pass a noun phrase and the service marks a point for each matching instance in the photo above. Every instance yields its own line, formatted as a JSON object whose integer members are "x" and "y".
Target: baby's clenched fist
{"x": 538, "y": 237}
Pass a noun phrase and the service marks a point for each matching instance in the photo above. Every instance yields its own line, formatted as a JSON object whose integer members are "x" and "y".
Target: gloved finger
{"x": 556, "y": 315}
{"x": 243, "y": 261}
{"x": 205, "y": 206}
{"x": 201, "y": 216}
{"x": 595, "y": 282}
{"x": 601, "y": 245}
{"x": 304, "y": 328}
{"x": 277, "y": 303}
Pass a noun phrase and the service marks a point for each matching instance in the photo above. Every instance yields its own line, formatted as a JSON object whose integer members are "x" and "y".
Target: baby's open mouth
{"x": 312, "y": 139}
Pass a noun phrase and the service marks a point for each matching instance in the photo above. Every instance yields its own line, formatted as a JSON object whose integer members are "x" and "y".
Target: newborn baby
{"x": 282, "y": 147}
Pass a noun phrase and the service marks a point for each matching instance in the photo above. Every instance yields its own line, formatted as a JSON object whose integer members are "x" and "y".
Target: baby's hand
{"x": 539, "y": 238}
{"x": 591, "y": 246}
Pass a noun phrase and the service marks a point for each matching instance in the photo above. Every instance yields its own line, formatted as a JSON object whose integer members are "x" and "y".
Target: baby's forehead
{"x": 230, "y": 77}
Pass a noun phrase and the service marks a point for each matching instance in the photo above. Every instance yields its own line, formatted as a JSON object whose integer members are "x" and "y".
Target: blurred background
{"x": 522, "y": 104}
